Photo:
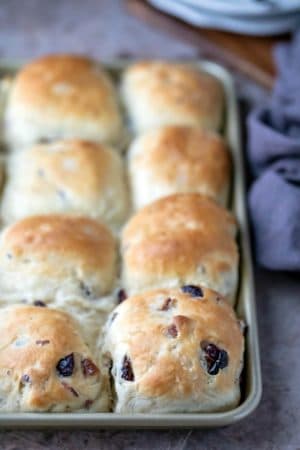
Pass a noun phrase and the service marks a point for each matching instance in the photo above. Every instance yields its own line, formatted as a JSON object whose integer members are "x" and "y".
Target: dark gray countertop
{"x": 103, "y": 29}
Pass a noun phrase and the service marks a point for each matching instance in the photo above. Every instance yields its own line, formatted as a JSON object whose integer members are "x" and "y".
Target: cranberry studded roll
{"x": 158, "y": 93}
{"x": 45, "y": 364}
{"x": 175, "y": 350}
{"x": 62, "y": 96}
{"x": 180, "y": 239}
{"x": 56, "y": 257}
{"x": 175, "y": 159}
{"x": 69, "y": 176}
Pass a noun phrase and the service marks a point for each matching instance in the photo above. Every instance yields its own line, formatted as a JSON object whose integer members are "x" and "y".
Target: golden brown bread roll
{"x": 45, "y": 364}
{"x": 180, "y": 239}
{"x": 56, "y": 257}
{"x": 62, "y": 96}
{"x": 173, "y": 159}
{"x": 175, "y": 350}
{"x": 158, "y": 93}
{"x": 70, "y": 176}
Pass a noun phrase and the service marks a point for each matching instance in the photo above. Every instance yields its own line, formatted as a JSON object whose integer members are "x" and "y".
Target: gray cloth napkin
{"x": 274, "y": 156}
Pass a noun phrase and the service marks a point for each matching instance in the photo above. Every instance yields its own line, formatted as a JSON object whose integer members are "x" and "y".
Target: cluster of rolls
{"x": 118, "y": 260}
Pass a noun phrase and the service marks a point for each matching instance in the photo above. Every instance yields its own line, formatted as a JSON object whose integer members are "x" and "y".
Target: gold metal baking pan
{"x": 245, "y": 305}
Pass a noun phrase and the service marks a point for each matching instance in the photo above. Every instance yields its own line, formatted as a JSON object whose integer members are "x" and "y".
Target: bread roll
{"x": 45, "y": 364}
{"x": 56, "y": 257}
{"x": 180, "y": 239}
{"x": 70, "y": 176}
{"x": 157, "y": 93}
{"x": 62, "y": 96}
{"x": 174, "y": 159}
{"x": 175, "y": 350}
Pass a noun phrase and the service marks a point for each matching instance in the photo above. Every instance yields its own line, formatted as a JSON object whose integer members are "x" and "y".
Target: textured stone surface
{"x": 104, "y": 29}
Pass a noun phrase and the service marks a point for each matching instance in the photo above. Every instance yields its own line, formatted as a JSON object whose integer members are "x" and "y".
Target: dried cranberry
{"x": 39, "y": 303}
{"x": 172, "y": 331}
{"x": 65, "y": 366}
{"x": 215, "y": 357}
{"x": 168, "y": 303}
{"x": 194, "y": 291}
{"x": 85, "y": 289}
{"x": 88, "y": 367}
{"x": 122, "y": 295}
{"x": 88, "y": 404}
{"x": 126, "y": 369}
{"x": 42, "y": 342}
{"x": 70, "y": 388}
{"x": 223, "y": 358}
{"x": 25, "y": 378}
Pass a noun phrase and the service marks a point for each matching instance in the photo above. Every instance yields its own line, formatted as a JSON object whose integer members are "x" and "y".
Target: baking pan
{"x": 245, "y": 305}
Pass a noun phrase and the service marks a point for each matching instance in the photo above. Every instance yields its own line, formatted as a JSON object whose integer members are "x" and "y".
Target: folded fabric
{"x": 274, "y": 155}
{"x": 274, "y": 203}
{"x": 257, "y": 18}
